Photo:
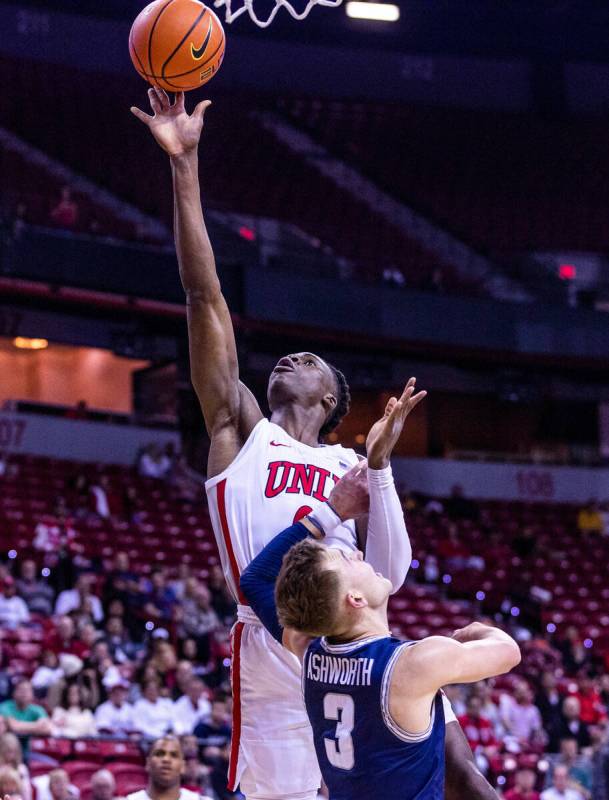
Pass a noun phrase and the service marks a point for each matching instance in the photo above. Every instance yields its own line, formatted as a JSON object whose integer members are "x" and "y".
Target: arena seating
{"x": 502, "y": 182}
{"x": 127, "y": 162}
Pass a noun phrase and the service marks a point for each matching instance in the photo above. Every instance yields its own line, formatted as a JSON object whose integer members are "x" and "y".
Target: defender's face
{"x": 300, "y": 375}
{"x": 358, "y": 576}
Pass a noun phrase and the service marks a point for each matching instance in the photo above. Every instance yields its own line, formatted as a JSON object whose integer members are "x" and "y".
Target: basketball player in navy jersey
{"x": 271, "y": 753}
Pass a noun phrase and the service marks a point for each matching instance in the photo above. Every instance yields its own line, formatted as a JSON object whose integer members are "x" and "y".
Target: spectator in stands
{"x": 574, "y": 654}
{"x": 120, "y": 644}
{"x": 571, "y": 726}
{"x": 589, "y": 520}
{"x": 521, "y": 719}
{"x": 190, "y": 709}
{"x": 457, "y": 506}
{"x": 549, "y": 703}
{"x": 160, "y": 598}
{"x": 592, "y": 709}
{"x": 479, "y": 733}
{"x": 488, "y": 708}
{"x": 37, "y": 593}
{"x": 72, "y": 718}
{"x": 65, "y": 213}
{"x": 64, "y": 640}
{"x": 11, "y": 755}
{"x": 23, "y": 717}
{"x": 13, "y": 610}
{"x": 152, "y": 713}
{"x": 80, "y": 597}
{"x": 122, "y": 583}
{"x": 11, "y": 785}
{"x": 115, "y": 716}
{"x": 198, "y": 617}
{"x": 524, "y": 788}
{"x": 222, "y": 600}
{"x": 59, "y": 785}
{"x": 165, "y": 765}
{"x": 5, "y": 676}
{"x": 578, "y": 765}
{"x": 48, "y": 674}
{"x": 560, "y": 789}
{"x": 216, "y": 732}
{"x": 103, "y": 785}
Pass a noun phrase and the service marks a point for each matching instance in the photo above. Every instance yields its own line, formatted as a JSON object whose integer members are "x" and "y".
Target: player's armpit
{"x": 296, "y": 642}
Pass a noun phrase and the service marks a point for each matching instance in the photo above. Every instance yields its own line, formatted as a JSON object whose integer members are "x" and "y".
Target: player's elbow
{"x": 510, "y": 657}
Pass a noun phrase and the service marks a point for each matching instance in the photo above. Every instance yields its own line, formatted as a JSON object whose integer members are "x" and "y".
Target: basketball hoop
{"x": 248, "y": 6}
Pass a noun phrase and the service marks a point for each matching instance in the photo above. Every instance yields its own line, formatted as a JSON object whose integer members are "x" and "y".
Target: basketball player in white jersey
{"x": 262, "y": 475}
{"x": 165, "y": 765}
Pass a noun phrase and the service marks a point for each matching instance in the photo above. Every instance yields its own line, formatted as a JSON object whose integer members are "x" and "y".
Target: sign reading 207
{"x": 11, "y": 432}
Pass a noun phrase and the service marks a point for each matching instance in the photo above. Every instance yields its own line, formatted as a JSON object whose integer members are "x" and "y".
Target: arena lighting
{"x": 381, "y": 12}
{"x": 23, "y": 343}
{"x": 567, "y": 272}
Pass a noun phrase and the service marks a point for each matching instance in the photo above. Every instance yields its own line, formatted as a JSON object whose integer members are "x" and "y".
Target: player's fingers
{"x": 201, "y": 108}
{"x": 163, "y": 97}
{"x": 179, "y": 101}
{"x": 391, "y": 403}
{"x": 414, "y": 401}
{"x": 155, "y": 103}
{"x": 145, "y": 118}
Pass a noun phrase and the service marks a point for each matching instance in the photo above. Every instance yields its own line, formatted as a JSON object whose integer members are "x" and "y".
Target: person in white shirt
{"x": 165, "y": 764}
{"x": 560, "y": 789}
{"x": 193, "y": 707}
{"x": 78, "y": 597}
{"x": 115, "y": 716}
{"x": 72, "y": 718}
{"x": 153, "y": 714}
{"x": 13, "y": 610}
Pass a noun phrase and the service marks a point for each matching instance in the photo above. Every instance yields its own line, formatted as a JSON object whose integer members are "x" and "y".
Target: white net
{"x": 248, "y": 7}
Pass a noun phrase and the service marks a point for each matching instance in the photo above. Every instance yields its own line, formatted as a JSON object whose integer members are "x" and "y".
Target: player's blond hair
{"x": 306, "y": 592}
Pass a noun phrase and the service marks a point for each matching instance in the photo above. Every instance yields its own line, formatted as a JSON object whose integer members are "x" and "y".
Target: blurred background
{"x": 426, "y": 197}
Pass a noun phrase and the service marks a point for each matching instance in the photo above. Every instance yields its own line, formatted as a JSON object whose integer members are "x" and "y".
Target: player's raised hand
{"x": 349, "y": 497}
{"x": 176, "y": 131}
{"x": 385, "y": 433}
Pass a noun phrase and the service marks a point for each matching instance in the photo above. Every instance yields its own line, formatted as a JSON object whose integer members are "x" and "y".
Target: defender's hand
{"x": 175, "y": 130}
{"x": 385, "y": 433}
{"x": 349, "y": 498}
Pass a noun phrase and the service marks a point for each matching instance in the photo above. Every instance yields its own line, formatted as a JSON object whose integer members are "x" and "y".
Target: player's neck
{"x": 300, "y": 423}
{"x": 372, "y": 623}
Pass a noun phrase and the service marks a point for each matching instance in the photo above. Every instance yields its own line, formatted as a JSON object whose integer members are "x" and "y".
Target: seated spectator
{"x": 115, "y": 716}
{"x": 479, "y": 733}
{"x": 549, "y": 703}
{"x": 190, "y": 709}
{"x": 53, "y": 535}
{"x": 185, "y": 672}
{"x": 488, "y": 708}
{"x": 216, "y": 732}
{"x": 198, "y": 617}
{"x": 65, "y": 213}
{"x": 120, "y": 644}
{"x": 222, "y": 600}
{"x": 457, "y": 506}
{"x": 5, "y": 675}
{"x": 164, "y": 659}
{"x": 578, "y": 765}
{"x": 575, "y": 656}
{"x": 165, "y": 765}
{"x": 524, "y": 787}
{"x": 103, "y": 785}
{"x": 560, "y": 788}
{"x": 161, "y": 598}
{"x": 11, "y": 755}
{"x": 60, "y": 787}
{"x": 72, "y": 719}
{"x": 13, "y": 610}
{"x": 571, "y": 726}
{"x": 48, "y": 674}
{"x": 64, "y": 640}
{"x": 80, "y": 597}
{"x": 589, "y": 520}
{"x": 521, "y": 719}
{"x": 37, "y": 593}
{"x": 11, "y": 785}
{"x": 122, "y": 583}
{"x": 23, "y": 717}
{"x": 105, "y": 501}
{"x": 153, "y": 714}
{"x": 592, "y": 708}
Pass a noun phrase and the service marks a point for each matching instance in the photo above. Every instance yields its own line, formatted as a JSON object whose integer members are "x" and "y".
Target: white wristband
{"x": 381, "y": 477}
{"x": 325, "y": 518}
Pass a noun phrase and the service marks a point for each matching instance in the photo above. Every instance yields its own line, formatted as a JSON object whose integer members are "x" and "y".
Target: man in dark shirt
{"x": 37, "y": 594}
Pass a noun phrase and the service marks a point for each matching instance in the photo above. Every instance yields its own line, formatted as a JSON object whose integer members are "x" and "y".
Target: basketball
{"x": 177, "y": 45}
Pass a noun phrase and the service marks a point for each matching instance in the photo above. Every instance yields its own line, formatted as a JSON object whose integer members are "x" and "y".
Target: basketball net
{"x": 248, "y": 6}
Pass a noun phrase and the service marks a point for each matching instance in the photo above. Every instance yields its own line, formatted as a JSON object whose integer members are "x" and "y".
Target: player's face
{"x": 358, "y": 576}
{"x": 300, "y": 376}
{"x": 165, "y": 762}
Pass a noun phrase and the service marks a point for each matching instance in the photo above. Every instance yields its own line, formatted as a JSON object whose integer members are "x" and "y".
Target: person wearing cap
{"x": 13, "y": 609}
{"x": 115, "y": 716}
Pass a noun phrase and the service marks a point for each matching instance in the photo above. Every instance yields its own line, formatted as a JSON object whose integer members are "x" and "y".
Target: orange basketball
{"x": 177, "y": 44}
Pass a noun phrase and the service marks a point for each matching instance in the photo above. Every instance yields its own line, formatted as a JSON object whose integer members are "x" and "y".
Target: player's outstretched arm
{"x": 229, "y": 409}
{"x": 388, "y": 546}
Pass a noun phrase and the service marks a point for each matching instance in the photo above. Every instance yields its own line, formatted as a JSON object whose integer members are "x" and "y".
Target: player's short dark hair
{"x": 306, "y": 592}
{"x": 343, "y": 403}
{"x": 168, "y": 737}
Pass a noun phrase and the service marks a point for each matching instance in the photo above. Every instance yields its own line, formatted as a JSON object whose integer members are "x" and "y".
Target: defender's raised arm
{"x": 229, "y": 409}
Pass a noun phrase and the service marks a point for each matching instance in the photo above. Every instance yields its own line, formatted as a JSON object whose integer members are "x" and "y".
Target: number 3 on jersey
{"x": 340, "y": 707}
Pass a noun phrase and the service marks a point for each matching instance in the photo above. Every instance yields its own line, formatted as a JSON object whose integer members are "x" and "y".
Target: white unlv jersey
{"x": 274, "y": 481}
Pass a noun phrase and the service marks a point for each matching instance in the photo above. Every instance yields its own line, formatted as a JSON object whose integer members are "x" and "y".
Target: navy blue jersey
{"x": 362, "y": 752}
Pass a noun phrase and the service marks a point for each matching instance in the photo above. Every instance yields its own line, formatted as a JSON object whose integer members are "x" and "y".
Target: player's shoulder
{"x": 141, "y": 795}
{"x": 188, "y": 794}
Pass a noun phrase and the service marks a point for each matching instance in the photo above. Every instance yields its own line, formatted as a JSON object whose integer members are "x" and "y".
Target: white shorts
{"x": 272, "y": 752}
